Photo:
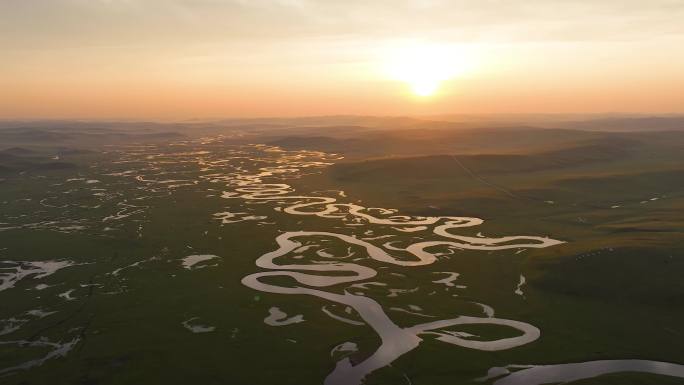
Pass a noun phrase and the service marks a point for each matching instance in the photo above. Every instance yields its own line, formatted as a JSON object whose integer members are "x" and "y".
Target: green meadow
{"x": 123, "y": 302}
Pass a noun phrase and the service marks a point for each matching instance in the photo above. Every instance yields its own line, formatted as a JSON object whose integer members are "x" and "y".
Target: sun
{"x": 424, "y": 87}
{"x": 424, "y": 67}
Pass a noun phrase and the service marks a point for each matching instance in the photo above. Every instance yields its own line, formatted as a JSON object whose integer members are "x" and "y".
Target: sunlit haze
{"x": 178, "y": 59}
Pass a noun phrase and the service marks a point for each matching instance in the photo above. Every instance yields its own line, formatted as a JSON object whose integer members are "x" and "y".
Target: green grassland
{"x": 612, "y": 291}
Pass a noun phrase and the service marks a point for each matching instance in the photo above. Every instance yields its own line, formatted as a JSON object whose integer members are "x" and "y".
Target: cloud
{"x": 68, "y": 23}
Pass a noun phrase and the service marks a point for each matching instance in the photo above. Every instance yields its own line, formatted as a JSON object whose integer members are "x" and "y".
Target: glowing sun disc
{"x": 423, "y": 67}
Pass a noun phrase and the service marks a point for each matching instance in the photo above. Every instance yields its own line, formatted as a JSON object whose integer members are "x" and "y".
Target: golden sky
{"x": 178, "y": 59}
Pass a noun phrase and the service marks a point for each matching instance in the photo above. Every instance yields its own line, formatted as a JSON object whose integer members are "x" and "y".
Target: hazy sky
{"x": 174, "y": 59}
